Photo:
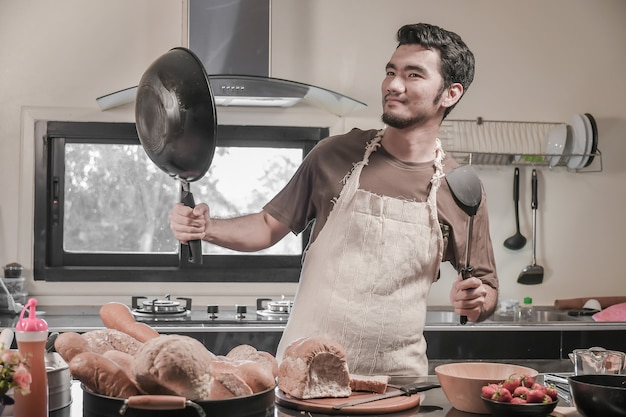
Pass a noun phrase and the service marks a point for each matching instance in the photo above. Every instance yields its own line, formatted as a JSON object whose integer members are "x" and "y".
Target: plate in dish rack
{"x": 578, "y": 142}
{"x": 557, "y": 139}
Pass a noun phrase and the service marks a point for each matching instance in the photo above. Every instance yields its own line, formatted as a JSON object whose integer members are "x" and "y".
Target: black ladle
{"x": 517, "y": 241}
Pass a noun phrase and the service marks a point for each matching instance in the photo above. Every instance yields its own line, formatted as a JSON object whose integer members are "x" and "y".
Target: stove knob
{"x": 212, "y": 310}
{"x": 241, "y": 311}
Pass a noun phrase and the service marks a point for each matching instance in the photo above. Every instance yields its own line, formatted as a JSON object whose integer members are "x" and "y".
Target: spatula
{"x": 467, "y": 192}
{"x": 533, "y": 273}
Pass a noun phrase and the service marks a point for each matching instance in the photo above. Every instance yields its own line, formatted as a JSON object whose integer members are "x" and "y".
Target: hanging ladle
{"x": 517, "y": 241}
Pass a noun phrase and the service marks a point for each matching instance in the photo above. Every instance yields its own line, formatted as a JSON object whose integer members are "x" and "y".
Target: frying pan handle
{"x": 160, "y": 402}
{"x": 195, "y": 246}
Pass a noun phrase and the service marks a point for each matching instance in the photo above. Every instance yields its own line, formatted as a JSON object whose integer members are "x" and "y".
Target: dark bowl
{"x": 599, "y": 395}
{"x": 499, "y": 409}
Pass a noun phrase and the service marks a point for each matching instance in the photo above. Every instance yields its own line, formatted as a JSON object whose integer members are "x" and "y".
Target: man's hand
{"x": 189, "y": 224}
{"x": 473, "y": 298}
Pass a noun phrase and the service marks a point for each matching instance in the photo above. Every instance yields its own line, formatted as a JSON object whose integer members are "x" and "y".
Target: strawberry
{"x": 537, "y": 385}
{"x": 489, "y": 390}
{"x": 521, "y": 392}
{"x": 502, "y": 395}
{"x": 535, "y": 396}
{"x": 550, "y": 390}
{"x": 527, "y": 381}
{"x": 512, "y": 383}
{"x": 518, "y": 400}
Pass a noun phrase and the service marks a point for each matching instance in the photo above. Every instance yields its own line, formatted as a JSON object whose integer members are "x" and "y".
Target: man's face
{"x": 411, "y": 90}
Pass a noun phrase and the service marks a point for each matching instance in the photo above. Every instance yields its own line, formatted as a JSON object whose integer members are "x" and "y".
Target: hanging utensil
{"x": 517, "y": 241}
{"x": 533, "y": 274}
{"x": 467, "y": 193}
{"x": 177, "y": 123}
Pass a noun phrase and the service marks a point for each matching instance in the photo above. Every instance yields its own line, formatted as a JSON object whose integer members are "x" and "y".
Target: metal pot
{"x": 256, "y": 405}
{"x": 59, "y": 382}
{"x": 599, "y": 395}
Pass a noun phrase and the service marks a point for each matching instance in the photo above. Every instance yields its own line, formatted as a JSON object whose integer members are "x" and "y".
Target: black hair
{"x": 457, "y": 61}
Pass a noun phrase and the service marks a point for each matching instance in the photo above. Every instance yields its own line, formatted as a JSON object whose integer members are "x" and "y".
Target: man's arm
{"x": 248, "y": 233}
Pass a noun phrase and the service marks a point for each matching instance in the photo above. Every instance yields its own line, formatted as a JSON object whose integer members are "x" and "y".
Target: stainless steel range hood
{"x": 232, "y": 39}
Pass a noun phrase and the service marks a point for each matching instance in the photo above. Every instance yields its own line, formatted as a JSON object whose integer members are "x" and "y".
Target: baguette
{"x": 70, "y": 344}
{"x": 102, "y": 376}
{"x": 118, "y": 316}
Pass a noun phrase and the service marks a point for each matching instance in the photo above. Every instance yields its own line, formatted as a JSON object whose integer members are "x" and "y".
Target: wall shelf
{"x": 502, "y": 143}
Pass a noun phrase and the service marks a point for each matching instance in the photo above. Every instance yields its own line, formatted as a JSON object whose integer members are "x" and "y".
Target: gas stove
{"x": 180, "y": 310}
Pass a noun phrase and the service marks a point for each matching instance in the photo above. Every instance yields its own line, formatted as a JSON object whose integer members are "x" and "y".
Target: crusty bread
{"x": 119, "y": 316}
{"x": 250, "y": 353}
{"x": 70, "y": 344}
{"x": 314, "y": 367}
{"x": 102, "y": 340}
{"x": 369, "y": 383}
{"x": 174, "y": 364}
{"x": 256, "y": 376}
{"x": 102, "y": 375}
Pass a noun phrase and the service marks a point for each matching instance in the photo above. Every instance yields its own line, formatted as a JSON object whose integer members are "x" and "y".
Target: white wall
{"x": 536, "y": 61}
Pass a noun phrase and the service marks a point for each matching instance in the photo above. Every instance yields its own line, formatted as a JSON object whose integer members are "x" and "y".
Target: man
{"x": 384, "y": 218}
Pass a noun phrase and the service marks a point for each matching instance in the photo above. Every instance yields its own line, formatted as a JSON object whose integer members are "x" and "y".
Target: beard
{"x": 400, "y": 122}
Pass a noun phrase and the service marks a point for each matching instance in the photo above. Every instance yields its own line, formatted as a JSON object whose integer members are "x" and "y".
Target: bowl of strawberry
{"x": 519, "y": 396}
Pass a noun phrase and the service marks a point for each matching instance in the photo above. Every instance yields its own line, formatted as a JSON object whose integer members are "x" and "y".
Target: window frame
{"x": 52, "y": 263}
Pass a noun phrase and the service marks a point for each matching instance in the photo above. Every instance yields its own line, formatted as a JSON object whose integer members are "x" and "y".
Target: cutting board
{"x": 325, "y": 405}
{"x": 578, "y": 303}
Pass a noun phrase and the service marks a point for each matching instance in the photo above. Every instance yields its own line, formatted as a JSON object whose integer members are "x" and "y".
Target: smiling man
{"x": 384, "y": 218}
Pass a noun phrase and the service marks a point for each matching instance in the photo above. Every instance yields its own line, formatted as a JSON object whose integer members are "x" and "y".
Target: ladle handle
{"x": 195, "y": 246}
{"x": 533, "y": 182}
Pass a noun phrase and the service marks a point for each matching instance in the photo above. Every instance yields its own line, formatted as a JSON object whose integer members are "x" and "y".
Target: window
{"x": 101, "y": 204}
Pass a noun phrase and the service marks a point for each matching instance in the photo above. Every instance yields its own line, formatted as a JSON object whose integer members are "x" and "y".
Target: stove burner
{"x": 161, "y": 308}
{"x": 269, "y": 308}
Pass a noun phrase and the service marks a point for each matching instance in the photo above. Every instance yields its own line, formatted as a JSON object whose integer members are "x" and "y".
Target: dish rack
{"x": 481, "y": 142}
{"x": 561, "y": 384}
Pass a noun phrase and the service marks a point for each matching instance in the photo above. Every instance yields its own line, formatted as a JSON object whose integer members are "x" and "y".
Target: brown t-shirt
{"x": 309, "y": 196}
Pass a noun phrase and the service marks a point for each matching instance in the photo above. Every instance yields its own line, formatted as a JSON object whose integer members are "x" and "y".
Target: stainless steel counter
{"x": 85, "y": 318}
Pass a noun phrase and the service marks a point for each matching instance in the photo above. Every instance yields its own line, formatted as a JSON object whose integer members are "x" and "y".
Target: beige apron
{"x": 365, "y": 279}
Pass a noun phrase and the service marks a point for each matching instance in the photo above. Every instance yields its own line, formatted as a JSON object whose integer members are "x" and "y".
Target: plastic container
{"x": 13, "y": 270}
{"x": 526, "y": 310}
{"x": 31, "y": 334}
{"x": 14, "y": 285}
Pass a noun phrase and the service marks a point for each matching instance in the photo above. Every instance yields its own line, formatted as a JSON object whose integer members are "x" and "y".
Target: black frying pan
{"x": 177, "y": 122}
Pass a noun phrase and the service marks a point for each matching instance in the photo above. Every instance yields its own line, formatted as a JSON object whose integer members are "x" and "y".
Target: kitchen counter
{"x": 85, "y": 318}
{"x": 434, "y": 404}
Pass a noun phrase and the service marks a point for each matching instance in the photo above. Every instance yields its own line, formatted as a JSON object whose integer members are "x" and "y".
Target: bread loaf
{"x": 255, "y": 375}
{"x": 369, "y": 383}
{"x": 250, "y": 353}
{"x": 118, "y": 316}
{"x": 70, "y": 344}
{"x": 314, "y": 367}
{"x": 102, "y": 340}
{"x": 102, "y": 375}
{"x": 174, "y": 364}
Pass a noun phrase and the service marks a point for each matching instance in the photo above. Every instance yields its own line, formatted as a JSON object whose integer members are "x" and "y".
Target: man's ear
{"x": 452, "y": 95}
